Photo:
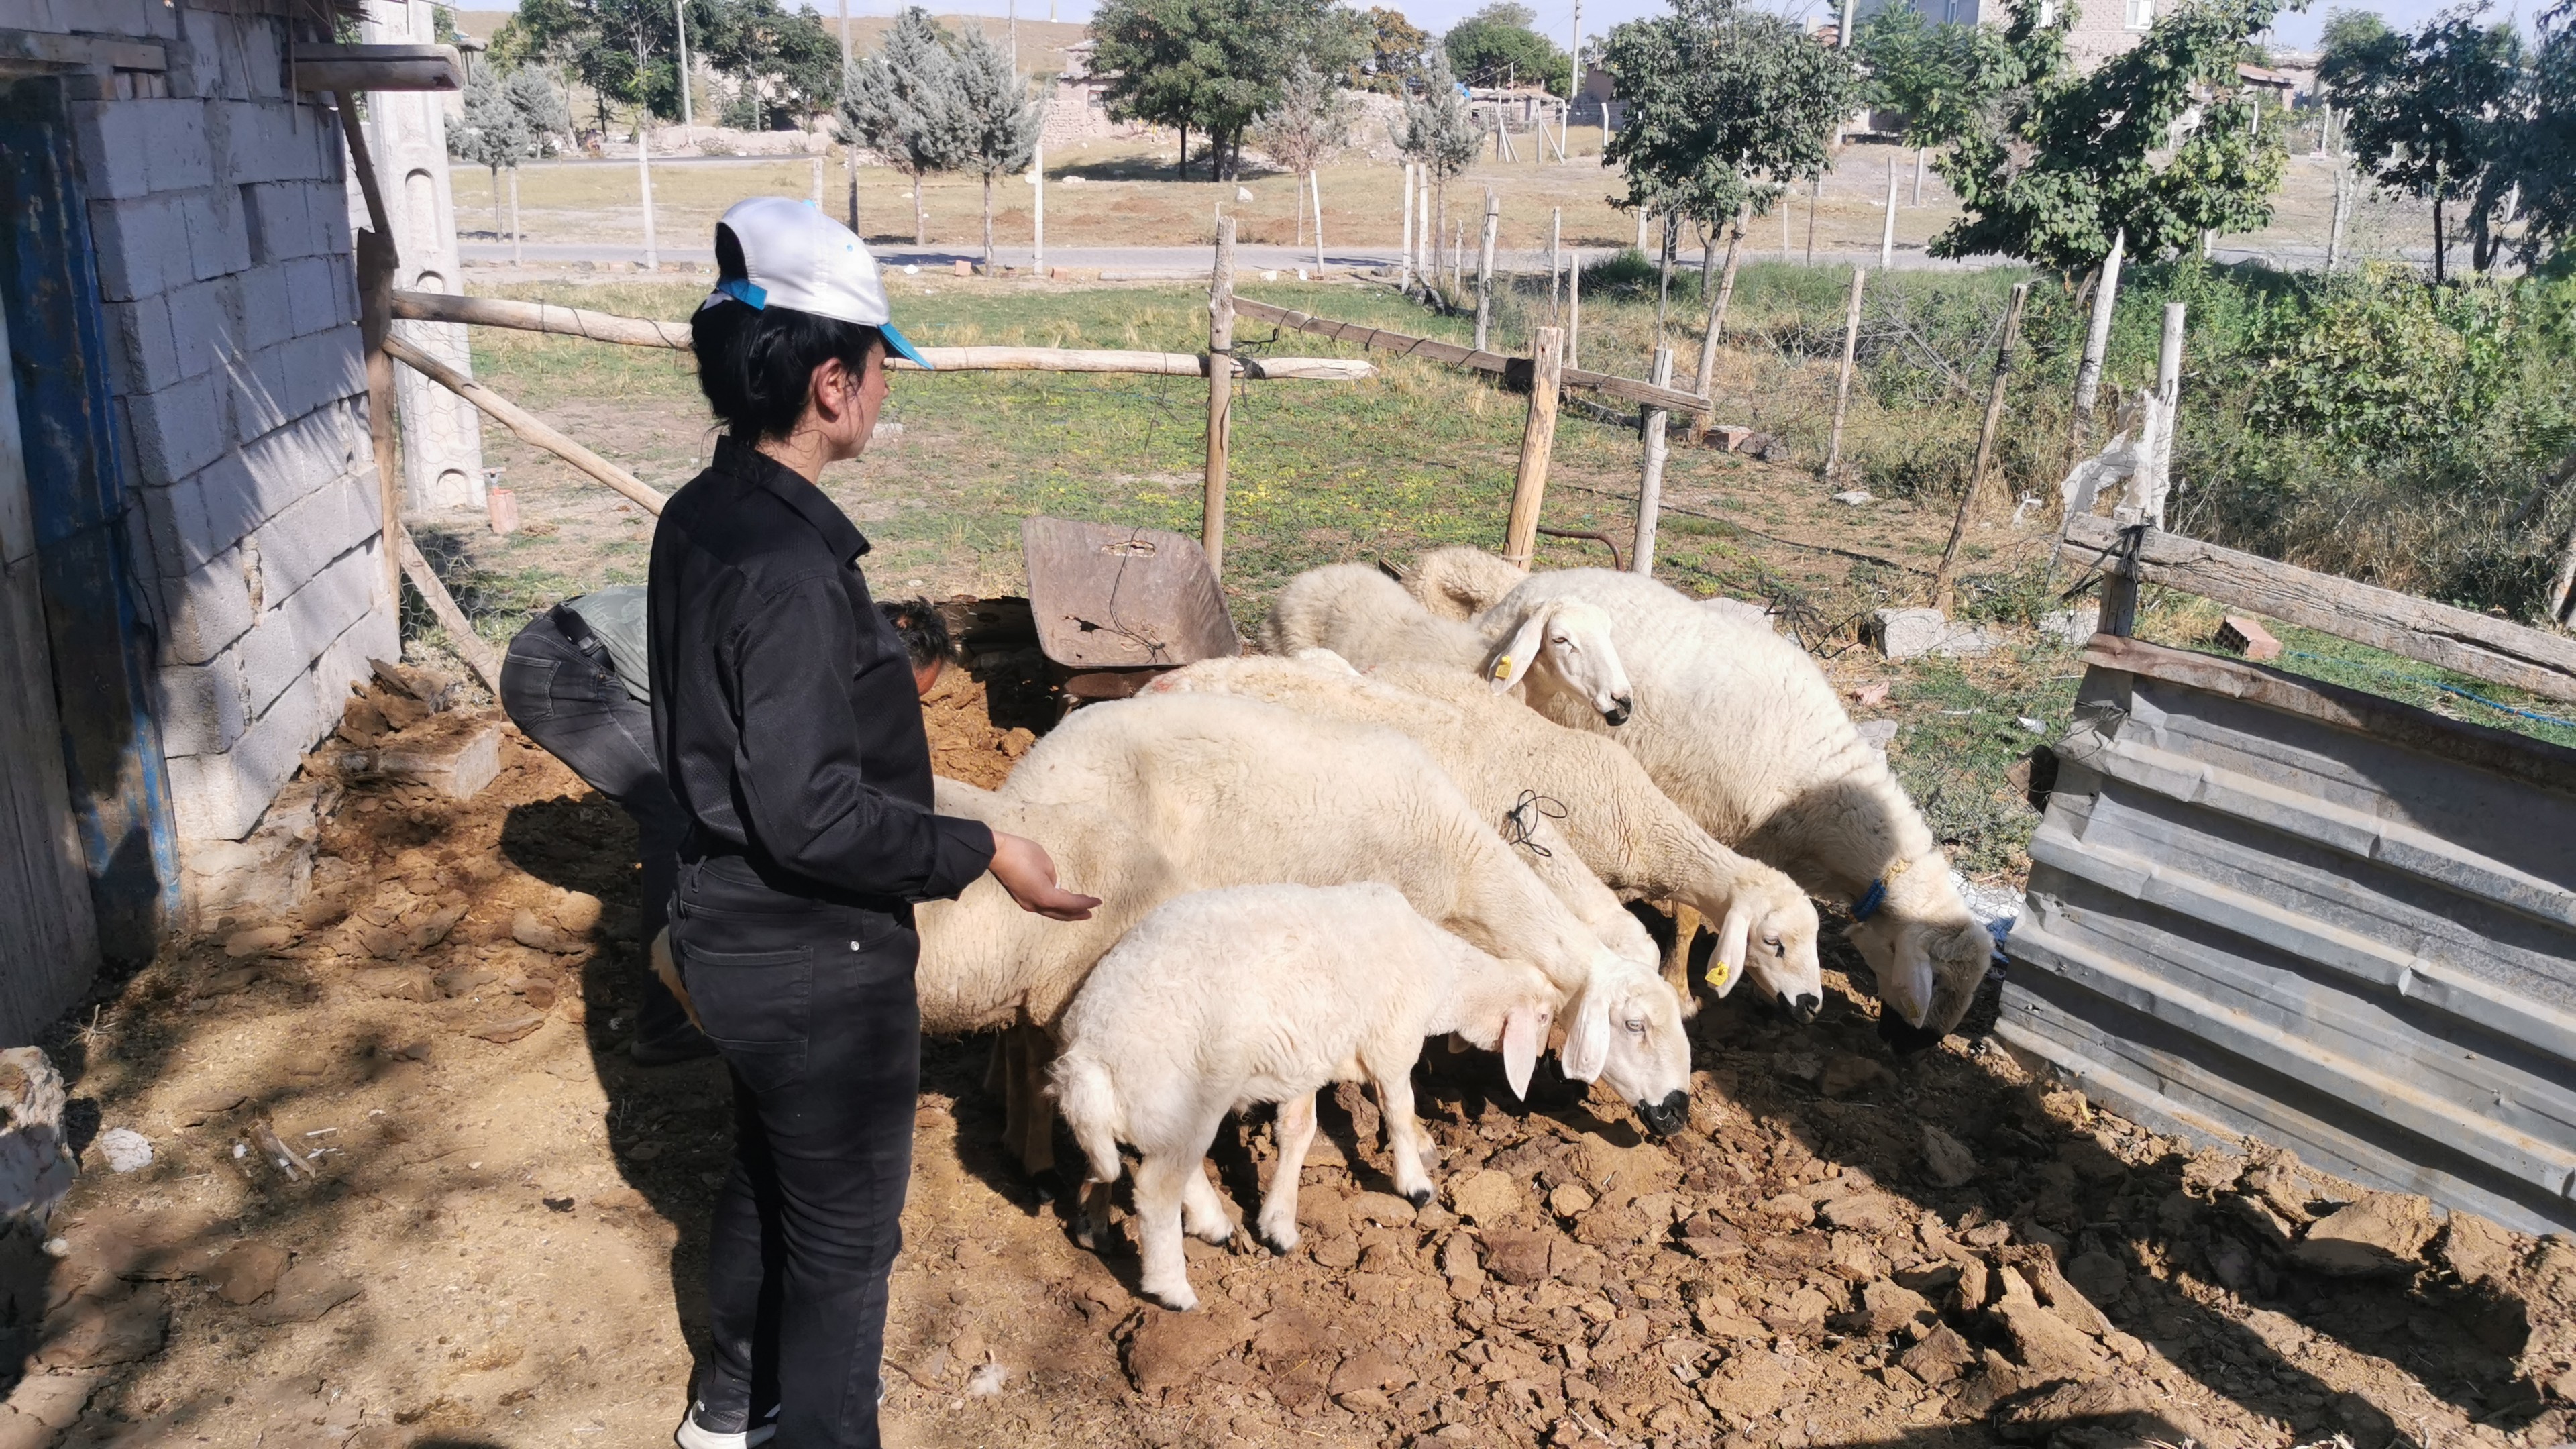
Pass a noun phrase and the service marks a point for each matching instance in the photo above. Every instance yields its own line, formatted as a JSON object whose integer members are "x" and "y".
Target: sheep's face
{"x": 1928, "y": 971}
{"x": 1625, "y": 1029}
{"x": 1565, "y": 645}
{"x": 1781, "y": 961}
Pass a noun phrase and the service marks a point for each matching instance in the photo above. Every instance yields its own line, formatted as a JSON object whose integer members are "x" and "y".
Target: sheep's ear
{"x": 1587, "y": 1037}
{"x": 1727, "y": 966}
{"x": 1524, "y": 1033}
{"x": 1508, "y": 666}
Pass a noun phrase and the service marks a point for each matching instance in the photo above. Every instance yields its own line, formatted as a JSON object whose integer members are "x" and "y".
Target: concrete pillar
{"x": 442, "y": 434}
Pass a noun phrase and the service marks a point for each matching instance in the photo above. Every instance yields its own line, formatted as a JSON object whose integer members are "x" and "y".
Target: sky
{"x": 1556, "y": 17}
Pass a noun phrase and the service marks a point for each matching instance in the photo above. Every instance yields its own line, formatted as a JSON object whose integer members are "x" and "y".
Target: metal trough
{"x": 1116, "y": 606}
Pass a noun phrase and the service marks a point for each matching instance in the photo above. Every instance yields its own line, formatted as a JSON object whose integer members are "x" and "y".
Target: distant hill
{"x": 1042, "y": 43}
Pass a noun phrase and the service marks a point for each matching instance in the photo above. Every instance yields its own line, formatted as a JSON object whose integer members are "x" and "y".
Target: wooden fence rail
{"x": 1645, "y": 394}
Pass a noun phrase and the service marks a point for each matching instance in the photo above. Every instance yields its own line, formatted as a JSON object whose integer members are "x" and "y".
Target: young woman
{"x": 789, "y": 727}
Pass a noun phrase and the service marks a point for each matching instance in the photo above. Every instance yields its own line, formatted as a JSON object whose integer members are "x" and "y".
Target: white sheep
{"x": 1551, "y": 788}
{"x": 1224, "y": 998}
{"x": 1557, "y": 651}
{"x": 1144, "y": 799}
{"x": 1743, "y": 731}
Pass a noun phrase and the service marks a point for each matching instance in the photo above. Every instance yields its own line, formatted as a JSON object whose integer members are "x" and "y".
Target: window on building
{"x": 2142, "y": 13}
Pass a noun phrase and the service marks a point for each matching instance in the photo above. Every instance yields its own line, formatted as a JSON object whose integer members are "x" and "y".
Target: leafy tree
{"x": 1496, "y": 46}
{"x": 1727, "y": 106}
{"x": 1926, "y": 73}
{"x": 999, "y": 116}
{"x": 2060, "y": 160}
{"x": 1310, "y": 120}
{"x": 1441, "y": 133}
{"x": 906, "y": 105}
{"x": 1391, "y": 51}
{"x": 786, "y": 61}
{"x": 2437, "y": 115}
{"x": 625, "y": 51}
{"x": 2549, "y": 154}
{"x": 1213, "y": 65}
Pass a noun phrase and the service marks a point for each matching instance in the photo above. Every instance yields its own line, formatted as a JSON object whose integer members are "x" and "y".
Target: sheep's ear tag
{"x": 1721, "y": 975}
{"x": 1502, "y": 666}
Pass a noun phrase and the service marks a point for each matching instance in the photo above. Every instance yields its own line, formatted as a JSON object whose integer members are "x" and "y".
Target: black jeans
{"x": 812, "y": 1004}
{"x": 573, "y": 706}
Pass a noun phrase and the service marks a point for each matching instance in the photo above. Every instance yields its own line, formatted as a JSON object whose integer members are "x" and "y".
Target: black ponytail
{"x": 756, "y": 365}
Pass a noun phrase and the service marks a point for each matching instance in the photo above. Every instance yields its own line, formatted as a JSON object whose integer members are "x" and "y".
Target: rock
{"x": 508, "y": 1028}
{"x": 1518, "y": 1258}
{"x": 1243, "y": 193}
{"x": 2047, "y": 1345}
{"x": 2039, "y": 1267}
{"x": 1878, "y": 734}
{"x": 1938, "y": 1356}
{"x": 2212, "y": 1168}
{"x": 2385, "y": 1232}
{"x": 1855, "y": 497}
{"x": 2475, "y": 1248}
{"x": 2072, "y": 627}
{"x": 1374, "y": 1369}
{"x": 305, "y": 1292}
{"x": 1290, "y": 1333}
{"x": 52, "y": 1400}
{"x": 578, "y": 912}
{"x": 1888, "y": 1306}
{"x": 1569, "y": 1200}
{"x": 536, "y": 935}
{"x": 1171, "y": 1349}
{"x": 124, "y": 1149}
{"x": 1384, "y": 1209}
{"x": 245, "y": 1274}
{"x": 1458, "y": 1264}
{"x": 402, "y": 983}
{"x": 2113, "y": 1411}
{"x": 1849, "y": 1074}
{"x": 1610, "y": 1169}
{"x": 1910, "y": 633}
{"x": 1749, "y": 1385}
{"x": 89, "y": 1334}
{"x": 2269, "y": 1227}
{"x": 36, "y": 1167}
{"x": 255, "y": 942}
{"x": 1487, "y": 1196}
{"x": 1859, "y": 1212}
{"x": 1945, "y": 1160}
{"x": 2098, "y": 1276}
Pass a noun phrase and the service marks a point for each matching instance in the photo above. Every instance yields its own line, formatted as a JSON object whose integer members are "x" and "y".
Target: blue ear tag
{"x": 743, "y": 291}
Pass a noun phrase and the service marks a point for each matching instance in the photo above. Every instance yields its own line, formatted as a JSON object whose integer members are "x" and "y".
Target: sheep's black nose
{"x": 1801, "y": 1009}
{"x": 1667, "y": 1116}
{"x": 1617, "y": 713}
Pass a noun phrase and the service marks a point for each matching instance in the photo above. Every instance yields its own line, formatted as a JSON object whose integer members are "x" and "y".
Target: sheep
{"x": 1742, "y": 730}
{"x": 1621, "y": 829}
{"x": 1557, "y": 651}
{"x": 1224, "y": 998}
{"x": 1149, "y": 798}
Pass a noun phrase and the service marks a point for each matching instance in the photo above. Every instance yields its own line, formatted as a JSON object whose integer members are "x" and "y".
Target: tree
{"x": 905, "y": 104}
{"x": 1310, "y": 120}
{"x": 1213, "y": 65}
{"x": 2058, "y": 161}
{"x": 2437, "y": 115}
{"x": 2549, "y": 152}
{"x": 1727, "y": 107}
{"x": 785, "y": 61}
{"x": 999, "y": 116}
{"x": 1496, "y": 47}
{"x": 493, "y": 133}
{"x": 1925, "y": 73}
{"x": 1440, "y": 132}
{"x": 625, "y": 51}
{"x": 1391, "y": 52}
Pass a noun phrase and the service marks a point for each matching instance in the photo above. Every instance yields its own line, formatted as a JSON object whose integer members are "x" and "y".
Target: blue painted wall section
{"x": 102, "y": 642}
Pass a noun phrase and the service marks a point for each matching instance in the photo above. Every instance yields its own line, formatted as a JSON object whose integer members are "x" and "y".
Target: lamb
{"x": 1513, "y": 765}
{"x": 1742, "y": 730}
{"x": 1224, "y": 998}
{"x": 1149, "y": 798}
{"x": 1558, "y": 651}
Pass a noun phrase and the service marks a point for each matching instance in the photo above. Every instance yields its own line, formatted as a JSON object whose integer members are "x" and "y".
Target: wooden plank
{"x": 353, "y": 68}
{"x": 2477, "y": 645}
{"x": 468, "y": 644}
{"x": 46, "y": 51}
{"x": 1220, "y": 398}
{"x": 1380, "y": 339}
{"x": 1106, "y": 597}
{"x": 1538, "y": 446}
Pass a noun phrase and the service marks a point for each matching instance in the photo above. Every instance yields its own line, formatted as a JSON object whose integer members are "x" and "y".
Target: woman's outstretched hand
{"x": 1028, "y": 873}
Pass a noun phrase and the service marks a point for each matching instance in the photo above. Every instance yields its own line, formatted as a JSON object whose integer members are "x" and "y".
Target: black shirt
{"x": 783, "y": 702}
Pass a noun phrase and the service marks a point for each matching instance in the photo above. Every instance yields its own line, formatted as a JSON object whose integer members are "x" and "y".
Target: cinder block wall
{"x": 223, "y": 248}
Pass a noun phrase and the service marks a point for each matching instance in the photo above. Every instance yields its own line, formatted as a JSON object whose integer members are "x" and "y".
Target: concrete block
{"x": 264, "y": 301}
{"x": 376, "y": 635}
{"x": 222, "y": 796}
{"x": 262, "y": 391}
{"x": 278, "y": 220}
{"x": 2246, "y": 635}
{"x": 330, "y": 207}
{"x": 202, "y": 709}
{"x": 1910, "y": 633}
{"x": 178, "y": 429}
{"x": 176, "y": 528}
{"x": 327, "y": 366}
{"x": 452, "y": 753}
{"x": 202, "y": 325}
{"x": 205, "y": 610}
{"x": 284, "y": 466}
{"x": 142, "y": 245}
{"x": 308, "y": 537}
{"x": 109, "y": 138}
{"x": 270, "y": 870}
{"x": 313, "y": 296}
{"x": 177, "y": 157}
{"x": 217, "y": 242}
{"x": 145, "y": 356}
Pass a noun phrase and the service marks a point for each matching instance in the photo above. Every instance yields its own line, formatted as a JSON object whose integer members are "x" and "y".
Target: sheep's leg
{"x": 1686, "y": 924}
{"x": 1203, "y": 1212}
{"x": 1294, "y": 1132}
{"x": 1028, "y": 1118}
{"x": 1404, "y": 1142}
{"x": 1091, "y": 1216}
{"x": 1161, "y": 1187}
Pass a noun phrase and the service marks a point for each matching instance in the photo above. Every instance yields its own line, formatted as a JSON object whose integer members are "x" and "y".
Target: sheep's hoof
{"x": 1045, "y": 1186}
{"x": 1181, "y": 1300}
{"x": 1281, "y": 1243}
{"x": 1083, "y": 1237}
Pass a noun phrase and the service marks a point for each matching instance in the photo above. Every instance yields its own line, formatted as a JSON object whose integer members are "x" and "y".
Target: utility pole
{"x": 680, "y": 21}
{"x": 1015, "y": 36}
{"x": 1574, "y": 62}
{"x": 849, "y": 143}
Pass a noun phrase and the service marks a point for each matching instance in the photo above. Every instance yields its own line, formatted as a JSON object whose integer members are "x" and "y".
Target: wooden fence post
{"x": 1404, "y": 263}
{"x": 1555, "y": 256}
{"x": 1650, "y": 486}
{"x": 377, "y": 262}
{"x": 2097, "y": 341}
{"x": 1220, "y": 394}
{"x": 1945, "y": 581}
{"x": 1851, "y": 347}
{"x": 1574, "y": 309}
{"x": 1538, "y": 441}
{"x": 1485, "y": 268}
{"x": 1887, "y": 229}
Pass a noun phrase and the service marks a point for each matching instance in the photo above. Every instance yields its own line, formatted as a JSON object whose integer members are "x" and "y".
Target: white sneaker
{"x": 693, "y": 1435}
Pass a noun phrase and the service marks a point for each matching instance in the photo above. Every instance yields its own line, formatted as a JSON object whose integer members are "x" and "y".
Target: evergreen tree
{"x": 906, "y": 105}
{"x": 493, "y": 133}
{"x": 999, "y": 117}
{"x": 1440, "y": 132}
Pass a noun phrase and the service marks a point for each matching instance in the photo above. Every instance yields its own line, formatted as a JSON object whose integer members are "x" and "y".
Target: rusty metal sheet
{"x": 2264, "y": 906}
{"x": 1106, "y": 597}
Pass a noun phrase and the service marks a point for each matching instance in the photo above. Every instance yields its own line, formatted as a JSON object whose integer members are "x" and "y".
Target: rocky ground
{"x": 406, "y": 1189}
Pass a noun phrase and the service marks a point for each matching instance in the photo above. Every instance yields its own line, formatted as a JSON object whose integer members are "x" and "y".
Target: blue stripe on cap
{"x": 744, "y": 292}
{"x": 903, "y": 346}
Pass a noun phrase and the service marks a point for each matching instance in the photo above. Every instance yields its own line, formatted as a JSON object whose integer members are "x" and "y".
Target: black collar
{"x": 743, "y": 461}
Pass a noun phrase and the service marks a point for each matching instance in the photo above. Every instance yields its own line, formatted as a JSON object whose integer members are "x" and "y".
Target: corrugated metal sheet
{"x": 2263, "y": 905}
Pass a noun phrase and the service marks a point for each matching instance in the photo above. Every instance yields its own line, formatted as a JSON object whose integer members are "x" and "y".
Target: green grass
{"x": 1962, "y": 735}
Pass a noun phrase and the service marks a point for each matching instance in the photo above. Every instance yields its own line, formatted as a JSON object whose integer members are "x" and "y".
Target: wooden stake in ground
{"x": 1851, "y": 348}
{"x": 1574, "y": 309}
{"x": 515, "y": 259}
{"x": 1945, "y": 580}
{"x": 1555, "y": 255}
{"x": 460, "y": 630}
{"x": 1887, "y": 228}
{"x": 1485, "y": 268}
{"x": 1423, "y": 239}
{"x": 1538, "y": 443}
{"x": 1404, "y": 259}
{"x": 2169, "y": 393}
{"x": 644, "y": 181}
{"x": 1037, "y": 210}
{"x": 1815, "y": 203}
{"x": 2097, "y": 341}
{"x": 1220, "y": 394}
{"x": 1650, "y": 485}
{"x": 1315, "y": 189}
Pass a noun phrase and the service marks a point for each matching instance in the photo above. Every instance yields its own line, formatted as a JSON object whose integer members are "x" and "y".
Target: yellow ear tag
{"x": 1503, "y": 667}
{"x": 1720, "y": 974}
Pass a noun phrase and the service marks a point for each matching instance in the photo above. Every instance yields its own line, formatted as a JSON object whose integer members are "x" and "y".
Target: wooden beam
{"x": 469, "y": 645}
{"x": 1627, "y": 388}
{"x": 2477, "y": 645}
{"x": 1538, "y": 445}
{"x": 351, "y": 68}
{"x": 524, "y": 423}
{"x": 1220, "y": 400}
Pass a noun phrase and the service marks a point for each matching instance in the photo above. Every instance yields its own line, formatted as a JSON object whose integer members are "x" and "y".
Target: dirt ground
{"x": 408, "y": 1190}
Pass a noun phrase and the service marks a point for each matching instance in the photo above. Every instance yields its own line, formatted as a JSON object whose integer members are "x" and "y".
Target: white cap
{"x": 797, "y": 257}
